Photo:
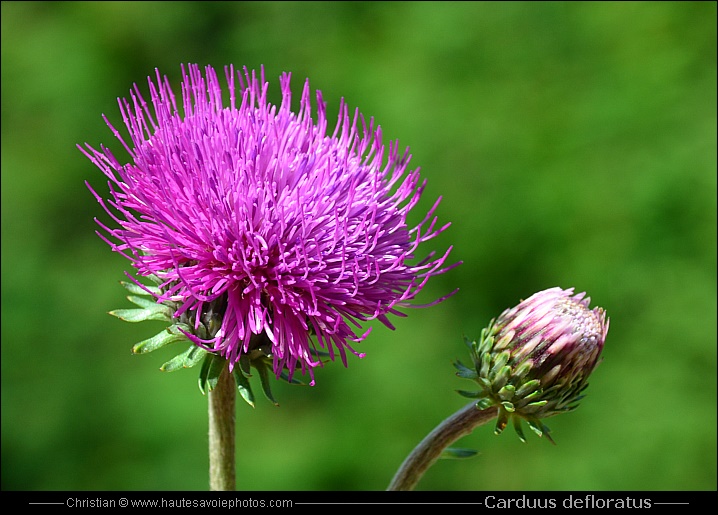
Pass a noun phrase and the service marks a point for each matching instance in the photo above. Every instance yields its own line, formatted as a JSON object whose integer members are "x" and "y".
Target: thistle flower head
{"x": 534, "y": 360}
{"x": 268, "y": 234}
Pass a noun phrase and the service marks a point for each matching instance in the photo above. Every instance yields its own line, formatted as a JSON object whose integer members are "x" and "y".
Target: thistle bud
{"x": 534, "y": 360}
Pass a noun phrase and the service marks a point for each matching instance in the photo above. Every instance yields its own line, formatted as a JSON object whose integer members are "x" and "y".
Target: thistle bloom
{"x": 535, "y": 359}
{"x": 262, "y": 228}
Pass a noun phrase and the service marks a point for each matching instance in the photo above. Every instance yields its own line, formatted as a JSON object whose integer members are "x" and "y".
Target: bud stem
{"x": 430, "y": 448}
{"x": 221, "y": 433}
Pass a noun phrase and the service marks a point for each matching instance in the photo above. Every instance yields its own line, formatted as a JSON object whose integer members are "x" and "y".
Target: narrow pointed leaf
{"x": 140, "y": 315}
{"x": 470, "y": 395}
{"x": 536, "y": 426}
{"x": 136, "y": 290}
{"x": 507, "y": 392}
{"x": 484, "y": 403}
{"x": 204, "y": 372}
{"x": 245, "y": 365}
{"x": 158, "y": 341}
{"x": 519, "y": 430}
{"x": 501, "y": 422}
{"x": 533, "y": 407}
{"x": 215, "y": 366}
{"x": 243, "y": 387}
{"x": 293, "y": 380}
{"x": 508, "y": 406}
{"x": 187, "y": 359}
{"x": 451, "y": 453}
{"x": 149, "y": 304}
{"x": 464, "y": 371}
{"x": 264, "y": 379}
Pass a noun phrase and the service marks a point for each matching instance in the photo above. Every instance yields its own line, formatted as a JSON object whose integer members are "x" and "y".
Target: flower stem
{"x": 430, "y": 448}
{"x": 221, "y": 433}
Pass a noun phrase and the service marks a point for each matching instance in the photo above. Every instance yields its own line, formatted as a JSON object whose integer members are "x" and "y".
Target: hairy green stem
{"x": 221, "y": 433}
{"x": 430, "y": 448}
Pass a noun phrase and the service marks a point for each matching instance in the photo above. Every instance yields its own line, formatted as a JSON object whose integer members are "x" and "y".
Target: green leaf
{"x": 503, "y": 342}
{"x": 140, "y": 315}
{"x": 451, "y": 453}
{"x": 501, "y": 422}
{"x": 470, "y": 395}
{"x": 507, "y": 392}
{"x": 484, "y": 383}
{"x": 528, "y": 387}
{"x": 187, "y": 359}
{"x": 203, "y": 373}
{"x": 264, "y": 379}
{"x": 469, "y": 343}
{"x": 536, "y": 394}
{"x": 195, "y": 356}
{"x": 485, "y": 364}
{"x": 486, "y": 342}
{"x": 293, "y": 380}
{"x": 243, "y": 387}
{"x": 167, "y": 336}
{"x": 484, "y": 403}
{"x": 212, "y": 367}
{"x": 508, "y": 406}
{"x": 464, "y": 371}
{"x": 533, "y": 407}
{"x": 519, "y": 430}
{"x": 149, "y": 304}
{"x": 501, "y": 378}
{"x": 522, "y": 370}
{"x": 540, "y": 428}
{"x": 245, "y": 365}
{"x": 133, "y": 288}
{"x": 499, "y": 362}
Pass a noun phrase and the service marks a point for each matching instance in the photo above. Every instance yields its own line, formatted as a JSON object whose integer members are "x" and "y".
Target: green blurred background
{"x": 574, "y": 144}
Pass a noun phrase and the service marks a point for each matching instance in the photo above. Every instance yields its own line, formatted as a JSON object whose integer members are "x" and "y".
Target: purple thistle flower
{"x": 535, "y": 359}
{"x": 256, "y": 216}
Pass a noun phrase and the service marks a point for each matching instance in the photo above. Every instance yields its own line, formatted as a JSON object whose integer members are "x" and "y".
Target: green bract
{"x": 212, "y": 364}
{"x": 534, "y": 361}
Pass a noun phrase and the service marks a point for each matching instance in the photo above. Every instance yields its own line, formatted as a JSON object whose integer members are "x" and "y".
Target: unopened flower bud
{"x": 534, "y": 360}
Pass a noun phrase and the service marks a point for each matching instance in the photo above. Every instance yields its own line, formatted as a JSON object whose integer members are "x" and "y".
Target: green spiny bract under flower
{"x": 258, "y": 357}
{"x": 534, "y": 360}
